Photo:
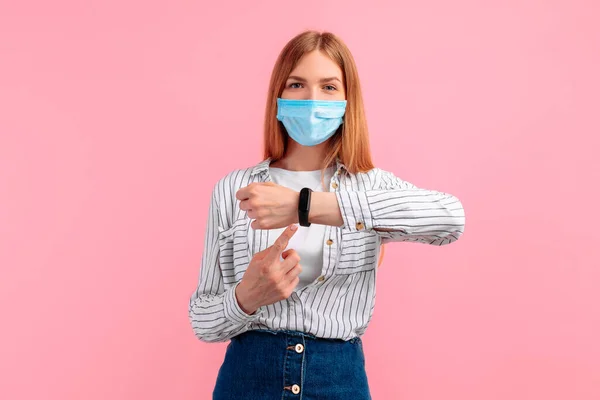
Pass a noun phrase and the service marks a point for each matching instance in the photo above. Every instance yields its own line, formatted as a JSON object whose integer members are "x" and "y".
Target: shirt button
{"x": 295, "y": 389}
{"x": 299, "y": 348}
{"x": 334, "y": 185}
{"x": 359, "y": 225}
{"x": 321, "y": 278}
{"x": 329, "y": 242}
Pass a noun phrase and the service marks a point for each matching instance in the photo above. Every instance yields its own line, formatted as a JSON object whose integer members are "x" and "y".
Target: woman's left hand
{"x": 271, "y": 206}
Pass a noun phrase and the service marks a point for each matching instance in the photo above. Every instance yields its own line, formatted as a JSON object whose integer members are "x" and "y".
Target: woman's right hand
{"x": 268, "y": 279}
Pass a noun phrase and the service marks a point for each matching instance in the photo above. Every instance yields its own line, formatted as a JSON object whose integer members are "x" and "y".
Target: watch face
{"x": 304, "y": 197}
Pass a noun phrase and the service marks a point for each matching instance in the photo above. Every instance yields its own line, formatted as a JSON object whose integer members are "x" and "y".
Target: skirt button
{"x": 295, "y": 389}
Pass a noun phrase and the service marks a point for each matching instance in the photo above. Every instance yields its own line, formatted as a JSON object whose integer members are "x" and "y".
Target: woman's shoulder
{"x": 373, "y": 174}
{"x": 379, "y": 178}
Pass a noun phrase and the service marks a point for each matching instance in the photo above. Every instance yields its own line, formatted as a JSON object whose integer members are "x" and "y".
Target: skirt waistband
{"x": 288, "y": 333}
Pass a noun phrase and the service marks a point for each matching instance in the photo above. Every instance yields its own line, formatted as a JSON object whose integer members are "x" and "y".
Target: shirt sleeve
{"x": 214, "y": 312}
{"x": 398, "y": 211}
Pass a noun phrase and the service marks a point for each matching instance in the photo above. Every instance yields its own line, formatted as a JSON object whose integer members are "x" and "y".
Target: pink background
{"x": 117, "y": 117}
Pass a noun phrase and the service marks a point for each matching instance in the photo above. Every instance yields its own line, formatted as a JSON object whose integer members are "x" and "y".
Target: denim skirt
{"x": 276, "y": 365}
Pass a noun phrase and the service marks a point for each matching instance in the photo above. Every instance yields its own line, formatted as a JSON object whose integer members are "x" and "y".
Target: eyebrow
{"x": 333, "y": 78}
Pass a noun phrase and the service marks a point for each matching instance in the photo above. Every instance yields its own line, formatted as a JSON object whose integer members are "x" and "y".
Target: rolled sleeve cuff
{"x": 233, "y": 311}
{"x": 355, "y": 209}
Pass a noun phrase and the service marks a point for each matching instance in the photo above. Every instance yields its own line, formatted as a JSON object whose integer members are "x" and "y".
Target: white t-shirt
{"x": 307, "y": 241}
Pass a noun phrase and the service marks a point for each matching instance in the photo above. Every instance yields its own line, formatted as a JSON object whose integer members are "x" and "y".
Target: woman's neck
{"x": 302, "y": 158}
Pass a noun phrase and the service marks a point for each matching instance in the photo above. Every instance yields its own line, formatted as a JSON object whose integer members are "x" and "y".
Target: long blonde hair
{"x": 351, "y": 141}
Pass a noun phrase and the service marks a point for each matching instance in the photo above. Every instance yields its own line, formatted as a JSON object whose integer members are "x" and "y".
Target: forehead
{"x": 317, "y": 64}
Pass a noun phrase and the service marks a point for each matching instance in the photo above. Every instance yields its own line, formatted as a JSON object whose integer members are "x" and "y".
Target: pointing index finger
{"x": 281, "y": 242}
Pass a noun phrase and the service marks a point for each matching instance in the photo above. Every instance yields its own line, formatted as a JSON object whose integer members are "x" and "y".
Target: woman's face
{"x": 316, "y": 77}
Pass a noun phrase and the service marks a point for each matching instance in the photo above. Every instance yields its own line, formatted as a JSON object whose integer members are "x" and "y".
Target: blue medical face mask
{"x": 310, "y": 122}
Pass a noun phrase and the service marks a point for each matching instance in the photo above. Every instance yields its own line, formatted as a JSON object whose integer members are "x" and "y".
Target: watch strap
{"x": 304, "y": 206}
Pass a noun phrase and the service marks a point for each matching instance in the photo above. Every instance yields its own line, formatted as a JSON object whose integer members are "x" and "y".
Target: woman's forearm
{"x": 324, "y": 209}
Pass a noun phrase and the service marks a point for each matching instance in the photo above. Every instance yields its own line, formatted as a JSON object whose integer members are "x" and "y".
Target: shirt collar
{"x": 262, "y": 167}
{"x": 340, "y": 166}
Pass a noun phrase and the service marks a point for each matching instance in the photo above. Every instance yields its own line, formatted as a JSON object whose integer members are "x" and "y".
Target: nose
{"x": 310, "y": 94}
{"x": 313, "y": 93}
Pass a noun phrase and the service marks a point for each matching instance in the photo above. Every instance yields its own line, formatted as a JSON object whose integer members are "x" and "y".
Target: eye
{"x": 332, "y": 88}
{"x": 291, "y": 85}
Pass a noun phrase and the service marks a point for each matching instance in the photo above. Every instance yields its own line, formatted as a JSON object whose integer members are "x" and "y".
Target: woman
{"x": 295, "y": 300}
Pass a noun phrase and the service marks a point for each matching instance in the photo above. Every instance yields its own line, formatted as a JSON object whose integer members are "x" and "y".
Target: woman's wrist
{"x": 242, "y": 298}
{"x": 324, "y": 209}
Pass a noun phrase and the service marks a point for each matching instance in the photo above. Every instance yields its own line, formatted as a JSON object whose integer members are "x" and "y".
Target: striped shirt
{"x": 339, "y": 304}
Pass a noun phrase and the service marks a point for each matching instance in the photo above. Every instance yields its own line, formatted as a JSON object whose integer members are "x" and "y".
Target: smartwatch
{"x": 304, "y": 206}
